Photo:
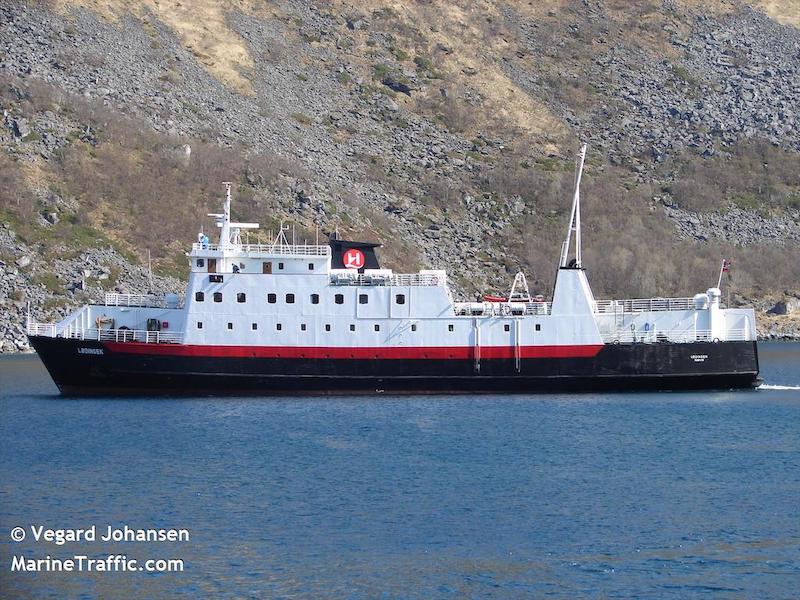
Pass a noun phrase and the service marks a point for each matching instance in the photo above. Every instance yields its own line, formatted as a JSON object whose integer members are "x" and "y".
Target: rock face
{"x": 377, "y": 128}
{"x": 52, "y": 289}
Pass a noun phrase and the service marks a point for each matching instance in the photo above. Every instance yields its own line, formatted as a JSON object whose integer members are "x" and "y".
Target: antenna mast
{"x": 575, "y": 215}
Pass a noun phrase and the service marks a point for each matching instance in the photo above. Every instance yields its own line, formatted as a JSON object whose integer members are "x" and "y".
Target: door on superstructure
{"x": 212, "y": 265}
{"x": 266, "y": 267}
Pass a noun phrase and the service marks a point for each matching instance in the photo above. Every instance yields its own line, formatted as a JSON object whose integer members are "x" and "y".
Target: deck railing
{"x": 278, "y": 249}
{"x": 398, "y": 279}
{"x": 626, "y": 336}
{"x": 639, "y": 305}
{"x": 106, "y": 335}
{"x": 140, "y": 300}
{"x": 501, "y": 308}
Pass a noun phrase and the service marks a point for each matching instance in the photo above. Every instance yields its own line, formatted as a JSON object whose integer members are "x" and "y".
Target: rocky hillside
{"x": 445, "y": 131}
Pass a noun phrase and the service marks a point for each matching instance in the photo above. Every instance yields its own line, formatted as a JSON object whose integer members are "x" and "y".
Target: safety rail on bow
{"x": 640, "y": 305}
{"x": 41, "y": 329}
{"x": 278, "y": 249}
{"x": 106, "y": 335}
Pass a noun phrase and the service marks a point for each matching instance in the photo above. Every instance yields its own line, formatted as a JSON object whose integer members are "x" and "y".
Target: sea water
{"x": 638, "y": 495}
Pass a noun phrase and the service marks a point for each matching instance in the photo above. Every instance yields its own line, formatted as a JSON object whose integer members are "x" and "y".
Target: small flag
{"x": 726, "y": 266}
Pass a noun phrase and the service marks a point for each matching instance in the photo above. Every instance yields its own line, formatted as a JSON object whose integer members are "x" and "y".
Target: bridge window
{"x": 413, "y": 327}
{"x": 241, "y": 298}
{"x": 230, "y": 326}
{"x": 278, "y": 326}
{"x": 199, "y": 296}
{"x": 272, "y": 298}
{"x": 339, "y": 298}
{"x": 450, "y": 327}
{"x": 302, "y": 327}
{"x": 352, "y": 327}
{"x": 506, "y": 327}
{"x": 314, "y": 298}
{"x": 217, "y": 296}
{"x": 201, "y": 262}
{"x": 327, "y": 327}
{"x": 199, "y": 324}
{"x": 400, "y": 299}
{"x": 363, "y": 298}
{"x": 289, "y": 298}
{"x": 538, "y": 327}
{"x": 254, "y": 326}
{"x": 310, "y": 266}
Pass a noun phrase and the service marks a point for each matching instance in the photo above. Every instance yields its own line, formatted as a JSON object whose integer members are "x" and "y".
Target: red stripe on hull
{"x": 380, "y": 352}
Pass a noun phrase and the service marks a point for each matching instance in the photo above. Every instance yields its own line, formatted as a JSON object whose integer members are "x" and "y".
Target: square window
{"x": 289, "y": 298}
{"x": 327, "y": 327}
{"x": 413, "y": 327}
{"x": 199, "y": 296}
{"x": 363, "y": 298}
{"x": 254, "y": 326}
{"x": 352, "y": 327}
{"x": 215, "y": 278}
{"x": 278, "y": 326}
{"x": 339, "y": 298}
{"x": 280, "y": 266}
{"x": 302, "y": 327}
{"x": 272, "y": 298}
{"x": 310, "y": 266}
{"x": 538, "y": 327}
{"x": 201, "y": 262}
{"x": 400, "y": 299}
{"x": 230, "y": 326}
{"x": 199, "y": 324}
{"x": 241, "y": 297}
{"x": 506, "y": 327}
{"x": 314, "y": 298}
{"x": 217, "y": 296}
{"x": 377, "y": 327}
{"x": 450, "y": 327}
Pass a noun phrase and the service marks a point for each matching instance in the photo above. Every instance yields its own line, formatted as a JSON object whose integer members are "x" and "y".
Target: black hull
{"x": 90, "y": 367}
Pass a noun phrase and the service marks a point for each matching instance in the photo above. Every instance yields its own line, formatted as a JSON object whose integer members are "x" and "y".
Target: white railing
{"x": 279, "y": 249}
{"x": 400, "y": 279}
{"x": 42, "y": 329}
{"x": 141, "y": 300}
{"x": 627, "y": 336}
{"x": 106, "y": 335}
{"x": 127, "y": 335}
{"x": 501, "y": 308}
{"x": 639, "y": 305}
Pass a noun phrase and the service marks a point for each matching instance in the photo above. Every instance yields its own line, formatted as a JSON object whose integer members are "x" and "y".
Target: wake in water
{"x": 767, "y": 386}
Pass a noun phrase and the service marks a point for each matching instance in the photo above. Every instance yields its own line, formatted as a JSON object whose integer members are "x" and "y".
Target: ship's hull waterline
{"x": 81, "y": 367}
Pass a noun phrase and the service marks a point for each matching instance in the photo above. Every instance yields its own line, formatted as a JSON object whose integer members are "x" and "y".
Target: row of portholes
{"x": 289, "y": 298}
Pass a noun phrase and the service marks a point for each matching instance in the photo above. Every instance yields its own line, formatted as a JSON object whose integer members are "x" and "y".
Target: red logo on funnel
{"x": 353, "y": 259}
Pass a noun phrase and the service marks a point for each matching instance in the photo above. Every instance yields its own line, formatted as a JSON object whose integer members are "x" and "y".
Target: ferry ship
{"x": 282, "y": 318}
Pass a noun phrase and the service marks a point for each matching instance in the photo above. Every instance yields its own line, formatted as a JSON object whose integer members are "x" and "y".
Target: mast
{"x": 575, "y": 216}
{"x": 227, "y": 228}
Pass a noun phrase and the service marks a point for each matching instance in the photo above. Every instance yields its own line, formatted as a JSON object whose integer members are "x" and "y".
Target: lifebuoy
{"x": 506, "y": 309}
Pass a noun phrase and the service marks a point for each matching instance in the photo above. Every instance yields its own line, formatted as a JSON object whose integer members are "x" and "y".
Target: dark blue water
{"x": 672, "y": 495}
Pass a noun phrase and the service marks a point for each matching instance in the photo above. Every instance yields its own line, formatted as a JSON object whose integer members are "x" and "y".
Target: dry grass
{"x": 466, "y": 45}
{"x": 783, "y": 11}
{"x": 201, "y": 27}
